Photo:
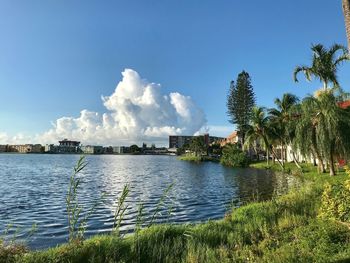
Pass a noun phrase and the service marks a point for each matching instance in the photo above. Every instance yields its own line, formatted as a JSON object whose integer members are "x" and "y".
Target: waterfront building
{"x": 25, "y": 148}
{"x": 68, "y": 146}
{"x": 3, "y": 148}
{"x": 91, "y": 149}
{"x": 50, "y": 148}
{"x": 108, "y": 150}
{"x": 178, "y": 141}
{"x": 121, "y": 149}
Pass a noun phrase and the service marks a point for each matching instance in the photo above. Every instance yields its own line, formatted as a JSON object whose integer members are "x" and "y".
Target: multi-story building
{"x": 68, "y": 146}
{"x": 25, "y": 148}
{"x": 178, "y": 141}
{"x": 50, "y": 148}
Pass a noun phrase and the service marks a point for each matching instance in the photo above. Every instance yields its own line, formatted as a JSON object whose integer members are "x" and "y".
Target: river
{"x": 33, "y": 188}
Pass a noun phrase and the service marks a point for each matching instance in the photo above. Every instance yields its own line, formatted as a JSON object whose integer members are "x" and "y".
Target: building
{"x": 3, "y": 148}
{"x": 68, "y": 146}
{"x": 108, "y": 150}
{"x": 233, "y": 138}
{"x": 90, "y": 149}
{"x": 69, "y": 143}
{"x": 25, "y": 148}
{"x": 121, "y": 149}
{"x": 178, "y": 141}
{"x": 50, "y": 148}
{"x": 208, "y": 140}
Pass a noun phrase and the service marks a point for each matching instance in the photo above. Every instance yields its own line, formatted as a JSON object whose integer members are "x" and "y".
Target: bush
{"x": 336, "y": 201}
{"x": 233, "y": 156}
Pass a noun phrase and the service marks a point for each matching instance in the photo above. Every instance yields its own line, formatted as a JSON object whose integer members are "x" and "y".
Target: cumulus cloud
{"x": 136, "y": 111}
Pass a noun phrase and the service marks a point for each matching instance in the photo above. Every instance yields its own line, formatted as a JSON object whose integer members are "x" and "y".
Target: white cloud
{"x": 221, "y": 131}
{"x": 136, "y": 111}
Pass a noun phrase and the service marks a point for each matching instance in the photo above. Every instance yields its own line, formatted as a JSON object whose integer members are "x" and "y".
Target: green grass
{"x": 285, "y": 229}
{"x": 194, "y": 158}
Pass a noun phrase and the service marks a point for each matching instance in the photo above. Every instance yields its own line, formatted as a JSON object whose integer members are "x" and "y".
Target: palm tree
{"x": 305, "y": 134}
{"x": 324, "y": 64}
{"x": 329, "y": 136}
{"x": 346, "y": 10}
{"x": 260, "y": 130}
{"x": 284, "y": 117}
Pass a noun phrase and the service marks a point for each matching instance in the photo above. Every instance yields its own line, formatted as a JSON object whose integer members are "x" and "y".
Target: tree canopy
{"x": 240, "y": 102}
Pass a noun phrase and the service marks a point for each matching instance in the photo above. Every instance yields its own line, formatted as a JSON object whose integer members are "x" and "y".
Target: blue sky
{"x": 58, "y": 57}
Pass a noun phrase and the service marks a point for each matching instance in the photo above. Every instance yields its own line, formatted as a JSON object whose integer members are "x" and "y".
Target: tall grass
{"x": 120, "y": 209}
{"x": 77, "y": 222}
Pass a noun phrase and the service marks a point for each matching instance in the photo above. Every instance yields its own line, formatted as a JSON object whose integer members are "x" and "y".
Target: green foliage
{"x": 215, "y": 149}
{"x": 197, "y": 146}
{"x": 233, "y": 156}
{"x": 190, "y": 158}
{"x": 323, "y": 129}
{"x": 183, "y": 149}
{"x": 325, "y": 64}
{"x": 283, "y": 120}
{"x": 135, "y": 149}
{"x": 240, "y": 101}
{"x": 260, "y": 131}
{"x": 336, "y": 201}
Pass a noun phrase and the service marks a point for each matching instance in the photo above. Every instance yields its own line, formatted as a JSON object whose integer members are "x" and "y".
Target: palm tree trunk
{"x": 295, "y": 160}
{"x": 314, "y": 158}
{"x": 320, "y": 164}
{"x": 346, "y": 10}
{"x": 331, "y": 161}
{"x": 331, "y": 167}
{"x": 279, "y": 162}
{"x": 267, "y": 156}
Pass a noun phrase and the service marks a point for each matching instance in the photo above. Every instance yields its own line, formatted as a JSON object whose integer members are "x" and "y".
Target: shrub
{"x": 336, "y": 201}
{"x": 233, "y": 156}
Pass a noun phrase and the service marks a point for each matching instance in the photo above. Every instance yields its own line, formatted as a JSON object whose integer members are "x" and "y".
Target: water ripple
{"x": 33, "y": 190}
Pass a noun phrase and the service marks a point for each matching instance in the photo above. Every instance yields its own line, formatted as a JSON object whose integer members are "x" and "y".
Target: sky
{"x": 119, "y": 72}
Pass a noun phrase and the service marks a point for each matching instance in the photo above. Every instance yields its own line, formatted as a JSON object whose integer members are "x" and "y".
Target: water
{"x": 33, "y": 189}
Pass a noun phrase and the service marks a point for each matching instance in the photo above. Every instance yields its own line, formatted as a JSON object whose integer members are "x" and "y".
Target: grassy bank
{"x": 194, "y": 158}
{"x": 285, "y": 229}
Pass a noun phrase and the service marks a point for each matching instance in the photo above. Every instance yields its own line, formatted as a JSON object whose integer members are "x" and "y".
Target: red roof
{"x": 344, "y": 104}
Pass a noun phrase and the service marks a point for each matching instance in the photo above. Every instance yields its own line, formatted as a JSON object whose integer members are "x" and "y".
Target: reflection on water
{"x": 33, "y": 189}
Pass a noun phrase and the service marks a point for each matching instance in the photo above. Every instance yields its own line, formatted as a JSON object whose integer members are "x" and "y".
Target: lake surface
{"x": 33, "y": 190}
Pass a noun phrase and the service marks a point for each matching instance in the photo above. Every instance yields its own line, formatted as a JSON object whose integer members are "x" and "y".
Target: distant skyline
{"x": 60, "y": 63}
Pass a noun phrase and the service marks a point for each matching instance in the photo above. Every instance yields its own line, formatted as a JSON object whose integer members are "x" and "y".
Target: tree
{"x": 215, "y": 149}
{"x": 134, "y": 148}
{"x": 329, "y": 136}
{"x": 197, "y": 145}
{"x": 346, "y": 10}
{"x": 324, "y": 64}
{"x": 259, "y": 129}
{"x": 240, "y": 102}
{"x": 284, "y": 120}
{"x": 233, "y": 156}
